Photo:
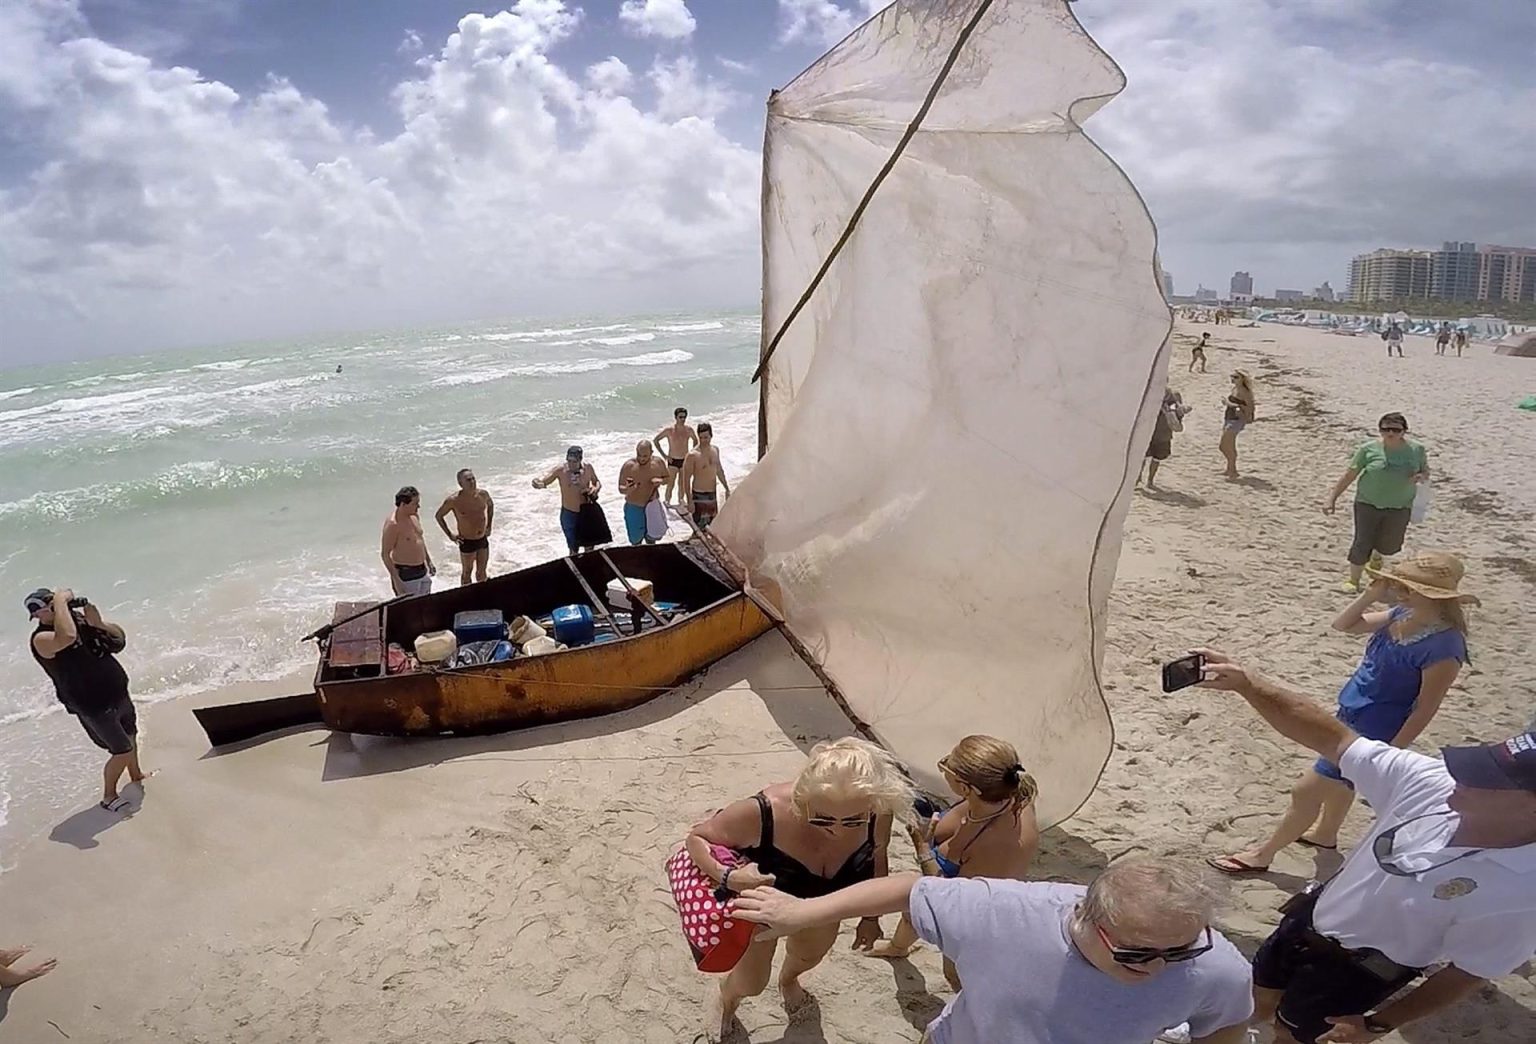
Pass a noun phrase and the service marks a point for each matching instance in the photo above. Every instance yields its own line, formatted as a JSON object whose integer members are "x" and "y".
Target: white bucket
{"x": 541, "y": 645}
{"x": 524, "y": 630}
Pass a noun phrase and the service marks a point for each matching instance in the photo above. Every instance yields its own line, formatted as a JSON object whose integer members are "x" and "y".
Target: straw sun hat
{"x": 1433, "y": 574}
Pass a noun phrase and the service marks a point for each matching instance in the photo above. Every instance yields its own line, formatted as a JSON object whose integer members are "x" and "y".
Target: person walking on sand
{"x": 1388, "y": 470}
{"x": 702, "y": 472}
{"x": 829, "y": 828}
{"x": 1446, "y": 876}
{"x": 640, "y": 482}
{"x": 1111, "y": 963}
{"x": 403, "y": 546}
{"x": 1170, "y": 418}
{"x": 1416, "y": 648}
{"x": 1461, "y": 342}
{"x": 473, "y": 512}
{"x": 78, "y": 650}
{"x": 1237, "y": 414}
{"x": 12, "y": 976}
{"x": 675, "y": 443}
{"x": 578, "y": 484}
{"x": 1393, "y": 335}
{"x": 990, "y": 832}
{"x": 1443, "y": 339}
{"x": 1197, "y": 353}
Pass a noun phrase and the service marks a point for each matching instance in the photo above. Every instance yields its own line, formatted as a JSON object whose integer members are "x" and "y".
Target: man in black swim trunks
{"x": 77, "y": 649}
{"x": 674, "y": 444}
{"x": 473, "y": 511}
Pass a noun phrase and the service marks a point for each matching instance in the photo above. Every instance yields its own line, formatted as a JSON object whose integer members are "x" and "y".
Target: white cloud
{"x": 732, "y": 65}
{"x": 411, "y": 43}
{"x": 610, "y": 76}
{"x": 167, "y": 205}
{"x": 823, "y": 22}
{"x": 661, "y": 19}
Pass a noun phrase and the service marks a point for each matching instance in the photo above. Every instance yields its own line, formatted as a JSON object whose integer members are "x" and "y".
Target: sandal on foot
{"x": 1309, "y": 843}
{"x": 1234, "y": 867}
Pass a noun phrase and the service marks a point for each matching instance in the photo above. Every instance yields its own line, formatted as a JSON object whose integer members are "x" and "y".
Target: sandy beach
{"x": 329, "y": 888}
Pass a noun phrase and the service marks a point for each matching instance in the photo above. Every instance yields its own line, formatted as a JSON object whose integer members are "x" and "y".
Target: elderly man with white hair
{"x": 1042, "y": 963}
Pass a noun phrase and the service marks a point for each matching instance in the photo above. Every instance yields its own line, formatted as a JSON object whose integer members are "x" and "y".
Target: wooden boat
{"x": 649, "y": 651}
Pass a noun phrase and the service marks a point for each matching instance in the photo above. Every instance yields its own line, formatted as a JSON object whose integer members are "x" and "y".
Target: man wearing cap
{"x": 578, "y": 481}
{"x": 78, "y": 655}
{"x": 1447, "y": 876}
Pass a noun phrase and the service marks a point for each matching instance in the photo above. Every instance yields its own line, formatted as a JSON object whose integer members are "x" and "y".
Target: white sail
{"x": 954, "y": 421}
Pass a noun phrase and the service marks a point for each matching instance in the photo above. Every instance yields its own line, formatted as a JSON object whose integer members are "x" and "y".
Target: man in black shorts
{"x": 674, "y": 444}
{"x": 77, "y": 649}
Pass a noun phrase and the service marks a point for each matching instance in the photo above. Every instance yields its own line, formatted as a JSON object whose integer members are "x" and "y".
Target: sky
{"x": 182, "y": 172}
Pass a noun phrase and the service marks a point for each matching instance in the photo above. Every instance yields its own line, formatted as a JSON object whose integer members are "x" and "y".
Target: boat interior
{"x": 683, "y": 579}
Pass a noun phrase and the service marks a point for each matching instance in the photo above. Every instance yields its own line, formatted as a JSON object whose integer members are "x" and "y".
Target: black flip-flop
{"x": 1237, "y": 868}
{"x": 1309, "y": 843}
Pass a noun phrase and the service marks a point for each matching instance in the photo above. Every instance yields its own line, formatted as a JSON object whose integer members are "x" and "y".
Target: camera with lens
{"x": 79, "y": 602}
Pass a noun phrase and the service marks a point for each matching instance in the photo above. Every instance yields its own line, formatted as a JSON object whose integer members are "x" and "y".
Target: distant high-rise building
{"x": 1324, "y": 292}
{"x": 1389, "y": 275}
{"x": 1206, "y": 296}
{"x": 1241, "y": 285}
{"x": 1287, "y": 296}
{"x": 1453, "y": 272}
{"x": 1506, "y": 274}
{"x": 1167, "y": 284}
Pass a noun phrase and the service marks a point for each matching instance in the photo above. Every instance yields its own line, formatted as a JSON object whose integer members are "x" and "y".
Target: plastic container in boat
{"x": 618, "y": 596}
{"x": 525, "y": 630}
{"x": 436, "y": 647}
{"x": 541, "y": 646}
{"x": 479, "y": 625}
{"x": 573, "y": 624}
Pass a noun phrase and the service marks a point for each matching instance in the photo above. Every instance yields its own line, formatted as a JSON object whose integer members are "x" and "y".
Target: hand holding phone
{"x": 1184, "y": 672}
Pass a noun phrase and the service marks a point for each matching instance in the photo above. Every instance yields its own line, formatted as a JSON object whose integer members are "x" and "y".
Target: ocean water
{"x": 216, "y": 503}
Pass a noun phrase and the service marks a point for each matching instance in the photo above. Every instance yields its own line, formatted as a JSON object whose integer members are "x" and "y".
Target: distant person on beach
{"x": 578, "y": 484}
{"x": 1393, "y": 335}
{"x": 404, "y": 547}
{"x": 702, "y": 472}
{"x": 1443, "y": 339}
{"x": 1115, "y": 962}
{"x": 1170, "y": 418}
{"x": 78, "y": 650}
{"x": 1416, "y": 648}
{"x": 1197, "y": 353}
{"x": 640, "y": 482}
{"x": 473, "y": 512}
{"x": 1461, "y": 342}
{"x": 1238, "y": 413}
{"x": 990, "y": 832}
{"x": 1444, "y": 877}
{"x": 12, "y": 976}
{"x": 1389, "y": 471}
{"x": 836, "y": 814}
{"x": 674, "y": 443}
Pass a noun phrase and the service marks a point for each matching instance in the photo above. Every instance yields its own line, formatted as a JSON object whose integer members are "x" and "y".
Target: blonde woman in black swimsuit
{"x": 990, "y": 832}
{"x": 826, "y": 830}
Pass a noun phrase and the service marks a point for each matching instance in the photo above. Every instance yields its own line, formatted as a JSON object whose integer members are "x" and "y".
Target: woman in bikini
{"x": 1417, "y": 647}
{"x": 990, "y": 832}
{"x": 1238, "y": 415}
{"x": 826, "y": 830}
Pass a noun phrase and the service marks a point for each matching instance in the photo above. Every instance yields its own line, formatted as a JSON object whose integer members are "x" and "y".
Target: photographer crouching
{"x": 77, "y": 649}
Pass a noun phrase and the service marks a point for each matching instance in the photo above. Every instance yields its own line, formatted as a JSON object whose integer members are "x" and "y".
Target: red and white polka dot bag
{"x": 717, "y": 940}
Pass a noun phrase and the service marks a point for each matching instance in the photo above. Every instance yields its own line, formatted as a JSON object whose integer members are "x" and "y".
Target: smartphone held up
{"x": 1184, "y": 672}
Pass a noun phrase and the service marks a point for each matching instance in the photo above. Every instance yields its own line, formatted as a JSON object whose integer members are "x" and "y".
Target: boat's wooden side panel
{"x": 582, "y": 683}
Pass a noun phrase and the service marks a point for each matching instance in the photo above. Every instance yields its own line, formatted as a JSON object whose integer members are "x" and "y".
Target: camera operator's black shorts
{"x": 1317, "y": 985}
{"x": 115, "y": 729}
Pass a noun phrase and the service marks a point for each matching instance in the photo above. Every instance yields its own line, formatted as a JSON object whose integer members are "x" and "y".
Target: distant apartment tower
{"x": 1324, "y": 293}
{"x": 1242, "y": 285}
{"x": 1205, "y": 296}
{"x": 1506, "y": 274}
{"x": 1290, "y": 296}
{"x": 1453, "y": 272}
{"x": 1167, "y": 278}
{"x": 1390, "y": 275}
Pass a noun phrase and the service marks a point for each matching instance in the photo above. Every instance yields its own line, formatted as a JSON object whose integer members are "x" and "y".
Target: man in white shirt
{"x": 1447, "y": 875}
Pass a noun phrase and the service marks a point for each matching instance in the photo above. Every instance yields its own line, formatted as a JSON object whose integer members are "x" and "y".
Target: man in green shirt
{"x": 1389, "y": 470}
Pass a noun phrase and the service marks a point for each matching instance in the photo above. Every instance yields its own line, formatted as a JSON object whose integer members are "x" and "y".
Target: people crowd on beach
{"x": 686, "y": 475}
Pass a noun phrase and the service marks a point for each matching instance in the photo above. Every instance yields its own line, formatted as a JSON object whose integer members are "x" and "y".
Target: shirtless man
{"x": 675, "y": 442}
{"x": 701, "y": 471}
{"x": 577, "y": 482}
{"x": 474, "y": 512}
{"x": 1461, "y": 342}
{"x": 404, "y": 548}
{"x": 640, "y": 480}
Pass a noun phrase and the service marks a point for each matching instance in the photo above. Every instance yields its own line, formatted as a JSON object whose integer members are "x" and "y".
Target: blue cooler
{"x": 573, "y": 625}
{"x": 479, "y": 625}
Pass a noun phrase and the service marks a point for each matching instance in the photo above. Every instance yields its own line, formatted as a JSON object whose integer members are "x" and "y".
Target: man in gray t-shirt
{"x": 1115, "y": 963}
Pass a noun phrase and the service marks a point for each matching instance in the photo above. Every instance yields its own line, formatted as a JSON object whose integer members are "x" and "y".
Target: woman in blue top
{"x": 990, "y": 832}
{"x": 1416, "y": 649}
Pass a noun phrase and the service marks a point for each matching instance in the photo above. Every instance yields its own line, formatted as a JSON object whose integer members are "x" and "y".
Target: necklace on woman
{"x": 967, "y": 819}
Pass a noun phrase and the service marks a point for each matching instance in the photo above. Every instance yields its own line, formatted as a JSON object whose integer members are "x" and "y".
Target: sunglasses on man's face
{"x": 847, "y": 822}
{"x": 1393, "y": 431}
{"x": 1138, "y": 955}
